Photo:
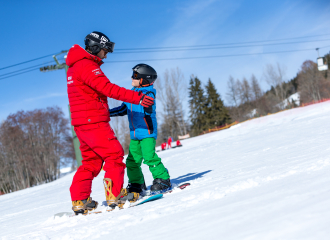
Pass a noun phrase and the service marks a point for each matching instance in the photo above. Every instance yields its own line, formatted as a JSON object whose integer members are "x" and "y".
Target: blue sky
{"x": 32, "y": 29}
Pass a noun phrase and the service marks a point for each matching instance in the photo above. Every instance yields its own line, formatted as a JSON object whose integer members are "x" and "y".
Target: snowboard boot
{"x": 113, "y": 201}
{"x": 83, "y": 206}
{"x": 160, "y": 185}
{"x": 133, "y": 191}
{"x": 136, "y": 187}
{"x": 129, "y": 196}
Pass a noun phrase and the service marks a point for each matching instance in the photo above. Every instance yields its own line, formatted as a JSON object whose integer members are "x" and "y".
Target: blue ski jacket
{"x": 142, "y": 121}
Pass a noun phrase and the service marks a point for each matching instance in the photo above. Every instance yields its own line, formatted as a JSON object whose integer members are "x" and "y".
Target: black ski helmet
{"x": 146, "y": 74}
{"x": 95, "y": 41}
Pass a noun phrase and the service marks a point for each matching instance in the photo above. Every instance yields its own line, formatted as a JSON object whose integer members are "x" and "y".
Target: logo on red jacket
{"x": 97, "y": 71}
{"x": 69, "y": 78}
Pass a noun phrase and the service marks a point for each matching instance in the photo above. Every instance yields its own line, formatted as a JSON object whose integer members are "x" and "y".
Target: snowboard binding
{"x": 83, "y": 206}
{"x": 160, "y": 186}
{"x": 111, "y": 200}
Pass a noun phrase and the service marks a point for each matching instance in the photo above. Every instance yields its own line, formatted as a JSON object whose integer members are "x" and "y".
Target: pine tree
{"x": 216, "y": 114}
{"x": 196, "y": 105}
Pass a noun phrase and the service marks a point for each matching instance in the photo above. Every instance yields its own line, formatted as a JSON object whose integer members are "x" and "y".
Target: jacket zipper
{"x": 102, "y": 103}
{"x": 147, "y": 125}
{"x": 132, "y": 117}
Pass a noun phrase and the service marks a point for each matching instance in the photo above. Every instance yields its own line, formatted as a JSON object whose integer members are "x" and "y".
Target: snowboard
{"x": 145, "y": 199}
{"x": 181, "y": 186}
{"x": 149, "y": 199}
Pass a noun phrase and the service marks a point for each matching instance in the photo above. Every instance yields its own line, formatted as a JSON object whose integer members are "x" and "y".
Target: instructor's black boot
{"x": 161, "y": 185}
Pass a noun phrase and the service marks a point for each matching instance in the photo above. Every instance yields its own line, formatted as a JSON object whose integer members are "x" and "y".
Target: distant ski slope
{"x": 268, "y": 178}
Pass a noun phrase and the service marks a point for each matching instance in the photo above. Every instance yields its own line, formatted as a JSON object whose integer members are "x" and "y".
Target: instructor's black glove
{"x": 146, "y": 101}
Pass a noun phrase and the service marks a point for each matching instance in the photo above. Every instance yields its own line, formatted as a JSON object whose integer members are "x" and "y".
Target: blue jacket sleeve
{"x": 118, "y": 111}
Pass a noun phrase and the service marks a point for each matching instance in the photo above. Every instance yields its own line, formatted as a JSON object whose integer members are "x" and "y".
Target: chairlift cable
{"x": 159, "y": 48}
{"x": 206, "y": 48}
{"x": 219, "y": 56}
{"x": 186, "y": 58}
{"x": 28, "y": 61}
{"x": 125, "y": 49}
{"x": 26, "y": 68}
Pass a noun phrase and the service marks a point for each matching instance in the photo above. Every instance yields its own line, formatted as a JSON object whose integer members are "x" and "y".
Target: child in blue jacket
{"x": 143, "y": 132}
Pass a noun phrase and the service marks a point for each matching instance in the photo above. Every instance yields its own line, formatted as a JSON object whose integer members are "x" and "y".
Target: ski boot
{"x": 113, "y": 201}
{"x": 160, "y": 185}
{"x": 83, "y": 206}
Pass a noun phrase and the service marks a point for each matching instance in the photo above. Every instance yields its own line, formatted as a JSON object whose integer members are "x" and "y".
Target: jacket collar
{"x": 77, "y": 53}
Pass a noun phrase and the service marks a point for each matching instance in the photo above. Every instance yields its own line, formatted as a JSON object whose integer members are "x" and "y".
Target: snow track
{"x": 267, "y": 178}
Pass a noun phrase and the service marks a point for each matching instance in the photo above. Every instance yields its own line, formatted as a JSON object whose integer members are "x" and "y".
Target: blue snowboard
{"x": 149, "y": 199}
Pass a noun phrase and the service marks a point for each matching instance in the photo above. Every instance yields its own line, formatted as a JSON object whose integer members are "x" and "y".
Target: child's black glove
{"x": 146, "y": 101}
{"x": 148, "y": 109}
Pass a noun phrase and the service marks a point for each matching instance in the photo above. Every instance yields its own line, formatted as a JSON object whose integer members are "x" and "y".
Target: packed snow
{"x": 267, "y": 178}
{"x": 293, "y": 98}
{"x": 65, "y": 170}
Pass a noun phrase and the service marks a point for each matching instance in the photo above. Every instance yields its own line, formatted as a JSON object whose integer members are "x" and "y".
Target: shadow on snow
{"x": 188, "y": 177}
{"x": 179, "y": 180}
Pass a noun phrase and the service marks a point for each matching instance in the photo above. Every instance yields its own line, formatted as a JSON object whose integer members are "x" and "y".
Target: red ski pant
{"x": 98, "y": 145}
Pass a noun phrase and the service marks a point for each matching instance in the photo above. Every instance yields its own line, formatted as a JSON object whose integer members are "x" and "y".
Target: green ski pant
{"x": 140, "y": 150}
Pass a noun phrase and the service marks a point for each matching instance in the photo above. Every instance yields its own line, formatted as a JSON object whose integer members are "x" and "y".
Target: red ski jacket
{"x": 163, "y": 146}
{"x": 88, "y": 88}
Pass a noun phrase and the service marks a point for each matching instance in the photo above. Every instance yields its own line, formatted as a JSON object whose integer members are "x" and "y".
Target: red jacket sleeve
{"x": 92, "y": 75}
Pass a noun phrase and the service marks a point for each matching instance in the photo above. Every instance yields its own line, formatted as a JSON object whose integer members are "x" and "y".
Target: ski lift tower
{"x": 321, "y": 62}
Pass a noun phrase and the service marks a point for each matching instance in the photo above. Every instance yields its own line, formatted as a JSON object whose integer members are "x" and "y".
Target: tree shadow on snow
{"x": 188, "y": 177}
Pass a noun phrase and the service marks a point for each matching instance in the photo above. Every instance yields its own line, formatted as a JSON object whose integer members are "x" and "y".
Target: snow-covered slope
{"x": 266, "y": 178}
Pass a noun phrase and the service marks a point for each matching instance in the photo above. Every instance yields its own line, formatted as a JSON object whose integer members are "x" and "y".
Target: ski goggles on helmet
{"x": 149, "y": 77}
{"x": 109, "y": 46}
{"x": 136, "y": 75}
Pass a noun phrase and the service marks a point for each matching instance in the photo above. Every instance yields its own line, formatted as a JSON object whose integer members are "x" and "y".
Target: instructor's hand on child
{"x": 146, "y": 101}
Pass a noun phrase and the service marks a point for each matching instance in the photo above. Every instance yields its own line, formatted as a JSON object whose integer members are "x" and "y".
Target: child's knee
{"x": 152, "y": 160}
{"x": 131, "y": 163}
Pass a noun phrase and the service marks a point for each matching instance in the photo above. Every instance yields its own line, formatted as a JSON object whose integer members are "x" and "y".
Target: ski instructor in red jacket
{"x": 88, "y": 89}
